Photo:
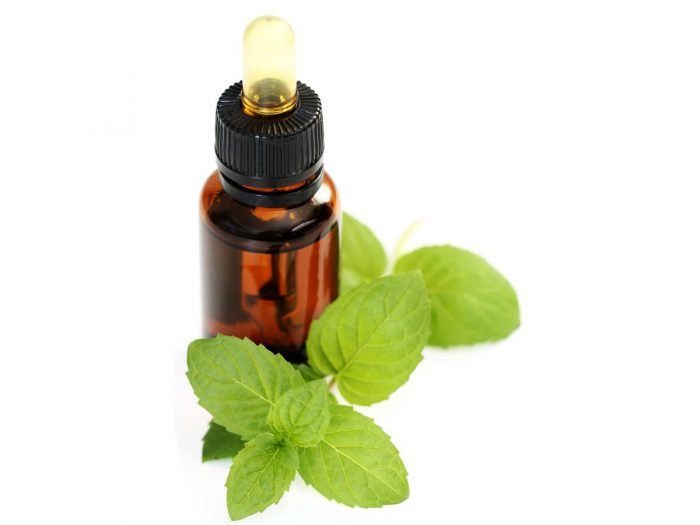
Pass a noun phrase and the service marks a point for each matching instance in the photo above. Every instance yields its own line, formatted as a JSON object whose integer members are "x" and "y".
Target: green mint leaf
{"x": 289, "y": 456}
{"x": 471, "y": 301}
{"x": 362, "y": 256}
{"x": 308, "y": 373}
{"x": 260, "y": 475}
{"x": 238, "y": 382}
{"x": 355, "y": 463}
{"x": 301, "y": 415}
{"x": 372, "y": 337}
{"x": 219, "y": 443}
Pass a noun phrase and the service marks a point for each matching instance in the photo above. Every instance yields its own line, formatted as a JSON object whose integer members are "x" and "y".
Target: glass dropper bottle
{"x": 270, "y": 212}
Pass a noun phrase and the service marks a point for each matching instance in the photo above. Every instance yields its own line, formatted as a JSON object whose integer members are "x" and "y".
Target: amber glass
{"x": 268, "y": 272}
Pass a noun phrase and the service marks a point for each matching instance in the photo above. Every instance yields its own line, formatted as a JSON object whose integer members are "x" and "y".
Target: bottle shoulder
{"x": 262, "y": 228}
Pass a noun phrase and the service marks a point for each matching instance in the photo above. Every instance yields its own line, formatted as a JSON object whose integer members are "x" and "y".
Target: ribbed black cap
{"x": 269, "y": 151}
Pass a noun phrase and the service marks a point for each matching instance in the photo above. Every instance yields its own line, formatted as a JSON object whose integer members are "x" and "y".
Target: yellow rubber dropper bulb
{"x": 269, "y": 67}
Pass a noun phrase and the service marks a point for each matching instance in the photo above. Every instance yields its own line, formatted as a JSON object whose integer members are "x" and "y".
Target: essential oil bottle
{"x": 269, "y": 213}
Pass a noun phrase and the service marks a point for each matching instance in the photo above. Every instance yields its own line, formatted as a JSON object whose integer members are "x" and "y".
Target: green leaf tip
{"x": 260, "y": 475}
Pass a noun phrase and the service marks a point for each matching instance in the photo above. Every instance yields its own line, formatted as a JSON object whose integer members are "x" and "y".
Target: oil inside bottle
{"x": 271, "y": 282}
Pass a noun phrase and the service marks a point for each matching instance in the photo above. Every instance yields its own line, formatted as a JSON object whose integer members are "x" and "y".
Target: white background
{"x": 560, "y": 140}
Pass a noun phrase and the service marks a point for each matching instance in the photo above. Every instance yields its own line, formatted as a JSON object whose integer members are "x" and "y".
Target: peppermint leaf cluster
{"x": 276, "y": 419}
{"x": 298, "y": 428}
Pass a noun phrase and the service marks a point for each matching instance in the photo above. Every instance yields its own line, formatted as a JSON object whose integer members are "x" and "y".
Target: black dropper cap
{"x": 261, "y": 155}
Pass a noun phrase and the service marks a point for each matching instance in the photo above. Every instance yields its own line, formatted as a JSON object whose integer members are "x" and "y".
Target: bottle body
{"x": 267, "y": 272}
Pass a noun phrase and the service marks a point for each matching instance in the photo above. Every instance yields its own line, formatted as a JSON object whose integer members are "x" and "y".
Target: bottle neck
{"x": 272, "y": 193}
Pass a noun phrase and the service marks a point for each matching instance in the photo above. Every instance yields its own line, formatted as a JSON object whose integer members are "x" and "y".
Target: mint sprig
{"x": 250, "y": 390}
{"x": 276, "y": 419}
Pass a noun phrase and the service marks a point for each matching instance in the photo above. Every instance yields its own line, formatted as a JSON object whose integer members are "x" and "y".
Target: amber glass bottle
{"x": 270, "y": 213}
